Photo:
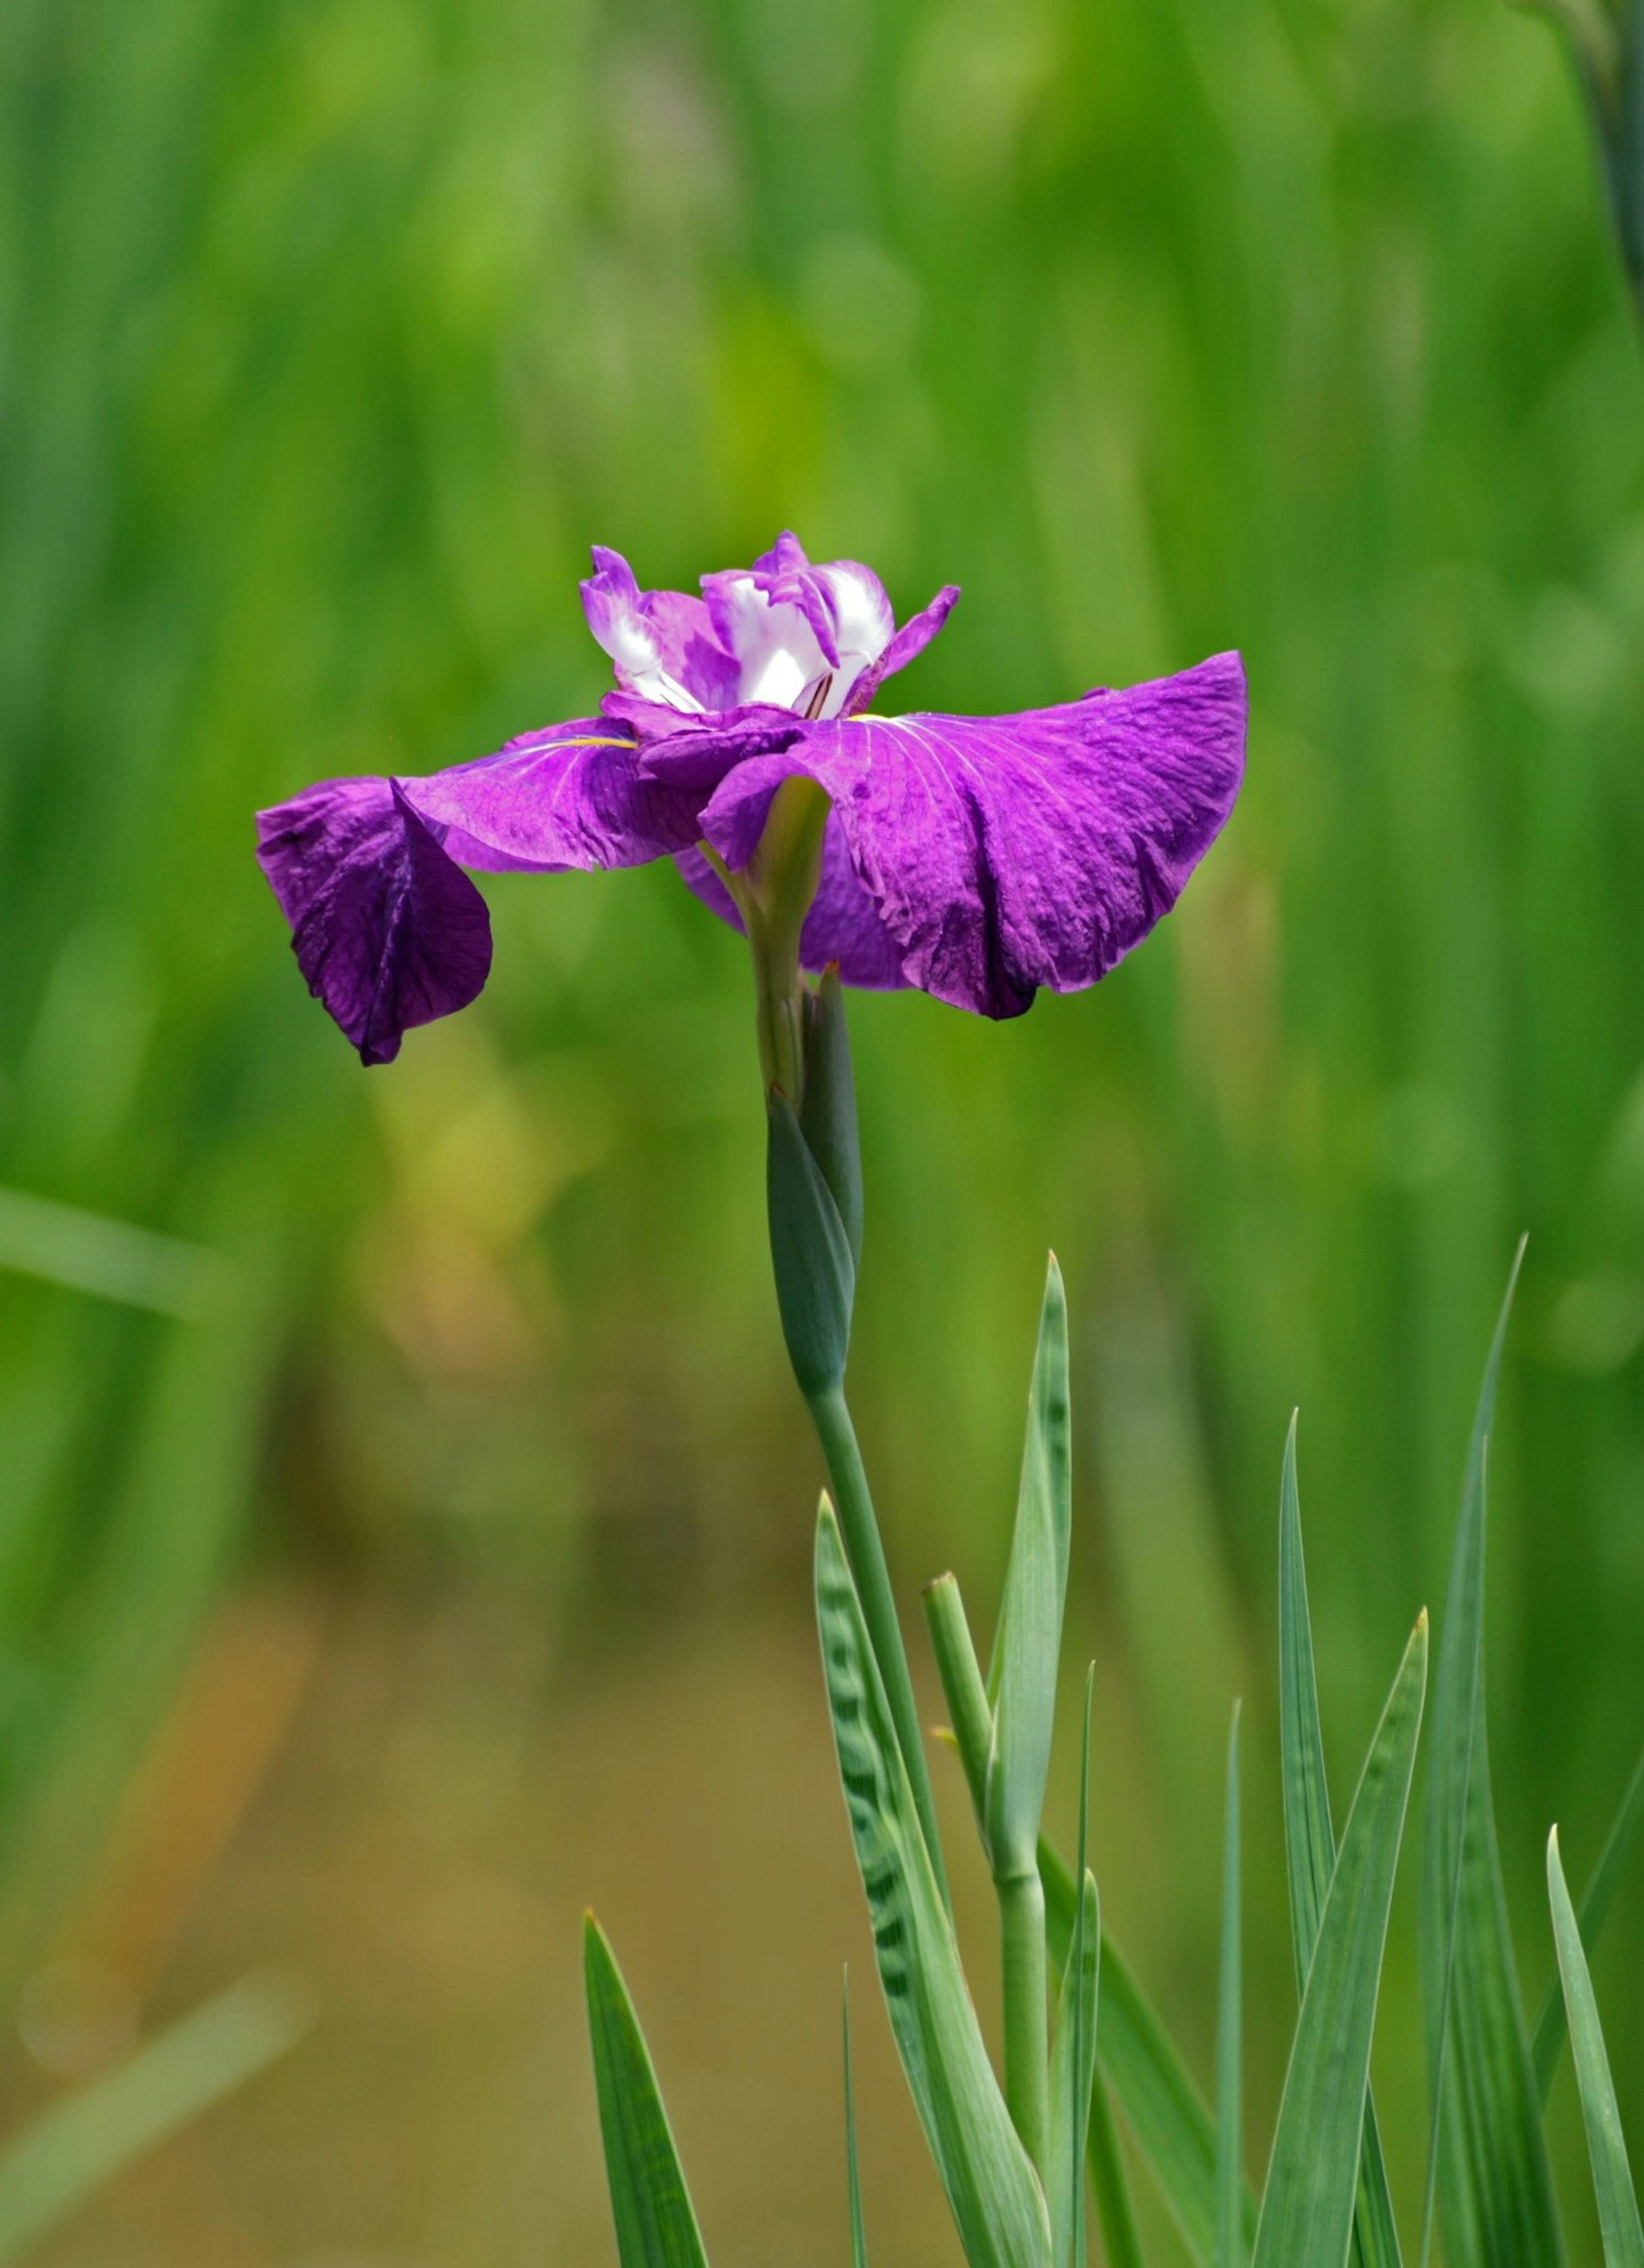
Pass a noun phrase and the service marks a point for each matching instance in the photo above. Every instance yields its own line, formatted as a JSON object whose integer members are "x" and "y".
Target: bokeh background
{"x": 404, "y": 1506}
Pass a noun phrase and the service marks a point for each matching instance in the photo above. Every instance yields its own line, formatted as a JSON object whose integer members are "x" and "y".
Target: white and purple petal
{"x": 1006, "y": 853}
{"x": 660, "y": 642}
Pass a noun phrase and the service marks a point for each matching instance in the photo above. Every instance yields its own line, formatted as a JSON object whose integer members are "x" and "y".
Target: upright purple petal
{"x": 660, "y": 642}
{"x": 387, "y": 930}
{"x": 843, "y": 925}
{"x": 1006, "y": 853}
{"x": 909, "y": 642}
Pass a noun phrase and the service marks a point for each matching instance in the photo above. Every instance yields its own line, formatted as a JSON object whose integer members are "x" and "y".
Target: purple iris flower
{"x": 976, "y": 857}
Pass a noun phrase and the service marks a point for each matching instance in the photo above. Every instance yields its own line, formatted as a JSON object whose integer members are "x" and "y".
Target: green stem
{"x": 962, "y": 1683}
{"x": 1026, "y": 2011}
{"x": 866, "y": 1553}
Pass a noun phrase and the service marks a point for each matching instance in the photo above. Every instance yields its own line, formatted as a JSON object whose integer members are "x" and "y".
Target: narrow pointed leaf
{"x": 656, "y": 2226}
{"x": 1613, "y": 2178}
{"x": 1022, "y": 1678}
{"x": 1230, "y": 2251}
{"x": 1599, "y": 1896}
{"x": 992, "y": 2189}
{"x": 858, "y": 2235}
{"x": 1493, "y": 2186}
{"x": 1309, "y": 1836}
{"x": 1072, "y": 2075}
{"x": 1312, "y": 2177}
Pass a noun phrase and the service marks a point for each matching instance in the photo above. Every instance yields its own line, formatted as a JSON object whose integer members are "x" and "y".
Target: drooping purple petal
{"x": 387, "y": 930}
{"x": 660, "y": 642}
{"x": 909, "y": 642}
{"x": 843, "y": 925}
{"x": 1006, "y": 853}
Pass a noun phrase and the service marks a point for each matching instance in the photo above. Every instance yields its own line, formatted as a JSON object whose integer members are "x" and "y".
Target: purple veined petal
{"x": 843, "y": 925}
{"x": 1005, "y": 853}
{"x": 569, "y": 796}
{"x": 909, "y": 642}
{"x": 660, "y": 642}
{"x": 779, "y": 659}
{"x": 387, "y": 930}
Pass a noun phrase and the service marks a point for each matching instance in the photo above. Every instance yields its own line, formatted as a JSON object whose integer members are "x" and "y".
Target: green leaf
{"x": 1022, "y": 1676}
{"x": 656, "y": 2226}
{"x": 991, "y": 2186}
{"x": 1137, "y": 2059}
{"x": 1612, "y": 2180}
{"x": 1073, "y": 2058}
{"x": 1230, "y": 2252}
{"x": 1312, "y": 2176}
{"x": 55, "y": 2162}
{"x": 810, "y": 1255}
{"x": 858, "y": 2235}
{"x": 1310, "y": 1835}
{"x": 1595, "y": 1909}
{"x": 1489, "y": 2162}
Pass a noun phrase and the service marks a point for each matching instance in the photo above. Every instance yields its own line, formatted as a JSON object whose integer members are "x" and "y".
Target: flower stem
{"x": 1026, "y": 2011}
{"x": 866, "y": 1553}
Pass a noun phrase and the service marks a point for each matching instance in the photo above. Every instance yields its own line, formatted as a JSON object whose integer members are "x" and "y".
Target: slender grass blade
{"x": 1022, "y": 1676}
{"x": 61, "y": 2157}
{"x": 1073, "y": 2060}
{"x": 1121, "y": 2235}
{"x": 1310, "y": 1835}
{"x": 991, "y": 2186}
{"x": 1312, "y": 2177}
{"x": 1613, "y": 2178}
{"x": 858, "y": 2234}
{"x": 1493, "y": 2187}
{"x": 1551, "y": 2024}
{"x": 1230, "y": 2252}
{"x": 655, "y": 2225}
{"x": 1139, "y": 2061}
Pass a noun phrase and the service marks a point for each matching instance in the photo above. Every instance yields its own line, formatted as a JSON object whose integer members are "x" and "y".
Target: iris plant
{"x": 979, "y": 859}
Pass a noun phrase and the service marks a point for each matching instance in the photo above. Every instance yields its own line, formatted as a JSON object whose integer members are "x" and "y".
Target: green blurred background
{"x": 404, "y": 1506}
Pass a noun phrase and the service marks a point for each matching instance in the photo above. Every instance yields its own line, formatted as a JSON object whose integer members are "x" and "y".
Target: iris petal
{"x": 387, "y": 929}
{"x": 1011, "y": 853}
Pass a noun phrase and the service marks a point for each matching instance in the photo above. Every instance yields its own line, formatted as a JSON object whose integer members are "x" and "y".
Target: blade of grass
{"x": 1309, "y": 1835}
{"x": 992, "y": 2189}
{"x": 1490, "y": 2165}
{"x": 655, "y": 2225}
{"x": 1312, "y": 2176}
{"x": 1073, "y": 2061}
{"x": 1230, "y": 2252}
{"x": 1612, "y": 2177}
{"x": 858, "y": 2235}
{"x": 1551, "y": 2024}
{"x": 1136, "y": 2056}
{"x": 59, "y": 2158}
